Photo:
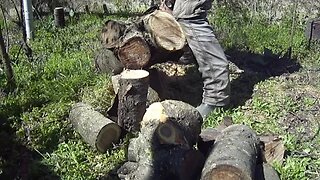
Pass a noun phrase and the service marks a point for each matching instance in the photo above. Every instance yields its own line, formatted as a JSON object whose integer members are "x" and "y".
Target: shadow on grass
{"x": 257, "y": 68}
{"x": 17, "y": 161}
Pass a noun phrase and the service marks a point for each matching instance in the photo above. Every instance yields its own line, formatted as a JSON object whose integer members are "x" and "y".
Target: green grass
{"x": 34, "y": 118}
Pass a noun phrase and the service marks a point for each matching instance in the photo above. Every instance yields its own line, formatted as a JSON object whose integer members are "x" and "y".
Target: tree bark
{"x": 166, "y": 123}
{"x": 112, "y": 32}
{"x": 233, "y": 156}
{"x": 164, "y": 147}
{"x": 11, "y": 83}
{"x": 106, "y": 62}
{"x": 96, "y": 130}
{"x": 266, "y": 172}
{"x": 133, "y": 90}
{"x": 177, "y": 122}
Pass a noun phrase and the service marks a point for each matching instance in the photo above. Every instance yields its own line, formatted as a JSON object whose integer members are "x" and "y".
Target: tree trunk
{"x": 233, "y": 156}
{"x": 97, "y": 130}
{"x": 11, "y": 83}
{"x": 133, "y": 90}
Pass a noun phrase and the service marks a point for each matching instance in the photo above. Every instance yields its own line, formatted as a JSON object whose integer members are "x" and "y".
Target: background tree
{"x": 11, "y": 83}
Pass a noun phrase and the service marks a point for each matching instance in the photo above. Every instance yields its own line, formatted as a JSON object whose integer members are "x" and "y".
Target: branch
{"x": 6, "y": 27}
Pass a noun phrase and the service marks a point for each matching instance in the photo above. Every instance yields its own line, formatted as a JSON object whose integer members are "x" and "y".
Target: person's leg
{"x": 212, "y": 62}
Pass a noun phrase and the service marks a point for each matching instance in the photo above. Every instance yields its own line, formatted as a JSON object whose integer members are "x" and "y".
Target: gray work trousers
{"x": 213, "y": 64}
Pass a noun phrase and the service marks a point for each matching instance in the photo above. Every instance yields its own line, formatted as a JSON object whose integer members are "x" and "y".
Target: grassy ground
{"x": 278, "y": 97}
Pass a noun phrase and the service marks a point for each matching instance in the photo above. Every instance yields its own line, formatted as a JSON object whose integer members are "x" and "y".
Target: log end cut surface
{"x": 225, "y": 172}
{"x": 134, "y": 74}
{"x": 109, "y": 134}
{"x": 166, "y": 31}
{"x": 134, "y": 53}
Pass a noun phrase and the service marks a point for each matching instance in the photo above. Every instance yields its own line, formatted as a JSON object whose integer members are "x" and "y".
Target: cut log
{"x": 272, "y": 149}
{"x": 179, "y": 117}
{"x": 152, "y": 96}
{"x": 233, "y": 156}
{"x": 209, "y": 135}
{"x": 134, "y": 51}
{"x": 106, "y": 62}
{"x": 96, "y": 130}
{"x": 166, "y": 123}
{"x": 166, "y": 33}
{"x": 164, "y": 146}
{"x": 266, "y": 172}
{"x": 111, "y": 33}
{"x": 133, "y": 90}
{"x": 167, "y": 163}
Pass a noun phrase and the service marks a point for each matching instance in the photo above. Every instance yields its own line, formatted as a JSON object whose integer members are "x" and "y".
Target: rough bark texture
{"x": 209, "y": 135}
{"x": 97, "y": 130}
{"x": 133, "y": 90}
{"x": 152, "y": 95}
{"x": 155, "y": 116}
{"x": 106, "y": 62}
{"x": 111, "y": 33}
{"x": 11, "y": 83}
{"x": 266, "y": 172}
{"x": 162, "y": 159}
{"x": 178, "y": 115}
{"x": 233, "y": 156}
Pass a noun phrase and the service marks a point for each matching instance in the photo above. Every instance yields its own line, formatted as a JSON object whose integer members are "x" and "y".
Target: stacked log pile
{"x": 169, "y": 142}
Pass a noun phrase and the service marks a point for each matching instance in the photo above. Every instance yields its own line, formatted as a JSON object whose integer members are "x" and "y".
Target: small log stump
{"x": 96, "y": 130}
{"x": 59, "y": 20}
{"x": 133, "y": 90}
{"x": 233, "y": 156}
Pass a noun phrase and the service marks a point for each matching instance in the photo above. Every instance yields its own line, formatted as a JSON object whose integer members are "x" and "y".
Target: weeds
{"x": 34, "y": 118}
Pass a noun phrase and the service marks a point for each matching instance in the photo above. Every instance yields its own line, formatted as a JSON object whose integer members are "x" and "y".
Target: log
{"x": 111, "y": 33}
{"x": 168, "y": 122}
{"x": 233, "y": 156}
{"x": 167, "y": 163}
{"x": 165, "y": 32}
{"x": 96, "y": 130}
{"x": 152, "y": 95}
{"x": 174, "y": 119}
{"x": 209, "y": 135}
{"x": 266, "y": 172}
{"x": 59, "y": 20}
{"x": 272, "y": 149}
{"x": 106, "y": 62}
{"x": 134, "y": 51}
{"x": 164, "y": 146}
{"x": 132, "y": 96}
